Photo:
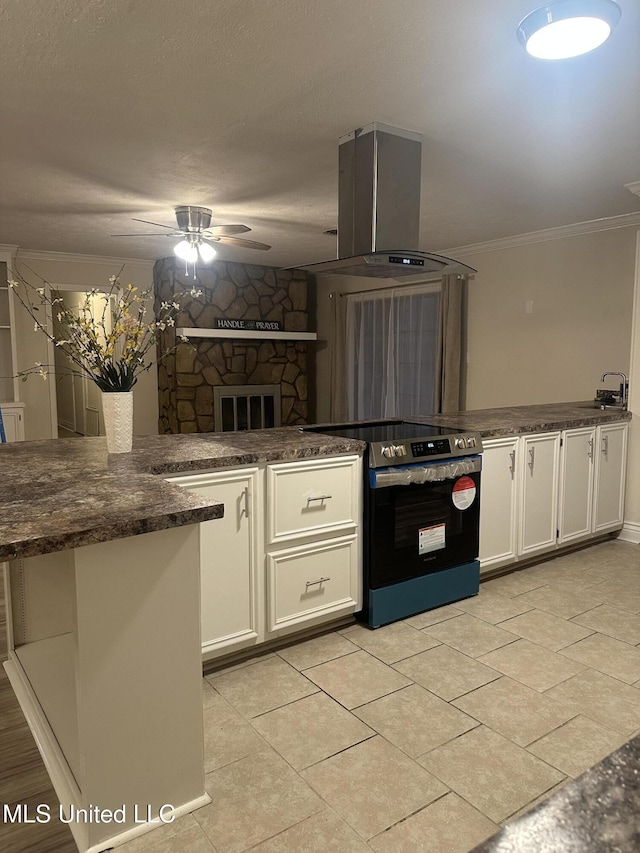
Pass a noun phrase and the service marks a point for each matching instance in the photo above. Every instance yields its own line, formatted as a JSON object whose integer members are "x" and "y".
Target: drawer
{"x": 314, "y": 496}
{"x": 311, "y": 581}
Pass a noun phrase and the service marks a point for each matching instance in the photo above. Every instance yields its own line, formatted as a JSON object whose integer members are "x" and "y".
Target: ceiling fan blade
{"x": 151, "y": 234}
{"x": 146, "y": 222}
{"x": 239, "y": 243}
{"x": 226, "y": 230}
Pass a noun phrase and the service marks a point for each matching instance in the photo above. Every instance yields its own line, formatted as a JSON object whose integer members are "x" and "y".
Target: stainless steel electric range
{"x": 421, "y": 516}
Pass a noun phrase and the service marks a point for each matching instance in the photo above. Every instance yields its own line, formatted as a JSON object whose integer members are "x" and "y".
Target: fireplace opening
{"x": 243, "y": 407}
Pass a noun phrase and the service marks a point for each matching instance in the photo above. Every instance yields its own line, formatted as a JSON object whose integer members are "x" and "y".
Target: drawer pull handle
{"x": 319, "y": 498}
{"x": 512, "y": 466}
{"x": 590, "y": 450}
{"x": 320, "y": 580}
{"x": 605, "y": 444}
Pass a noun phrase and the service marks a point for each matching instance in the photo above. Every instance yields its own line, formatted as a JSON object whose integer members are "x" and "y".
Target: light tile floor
{"x": 428, "y": 734}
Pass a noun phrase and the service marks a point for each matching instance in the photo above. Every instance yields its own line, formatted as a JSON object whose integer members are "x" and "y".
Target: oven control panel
{"x": 403, "y": 452}
{"x": 437, "y": 447}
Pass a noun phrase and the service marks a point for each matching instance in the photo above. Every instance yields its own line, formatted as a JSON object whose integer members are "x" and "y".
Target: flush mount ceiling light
{"x": 568, "y": 28}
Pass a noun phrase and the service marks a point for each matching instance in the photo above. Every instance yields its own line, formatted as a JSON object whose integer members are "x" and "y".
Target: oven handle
{"x": 434, "y": 472}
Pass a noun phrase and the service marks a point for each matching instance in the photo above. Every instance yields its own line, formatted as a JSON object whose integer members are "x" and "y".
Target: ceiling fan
{"x": 197, "y": 233}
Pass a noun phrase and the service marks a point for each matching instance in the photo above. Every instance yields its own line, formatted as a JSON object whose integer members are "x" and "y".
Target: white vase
{"x": 117, "y": 408}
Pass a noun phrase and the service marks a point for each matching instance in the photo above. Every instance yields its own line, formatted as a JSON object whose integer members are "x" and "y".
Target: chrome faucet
{"x": 625, "y": 386}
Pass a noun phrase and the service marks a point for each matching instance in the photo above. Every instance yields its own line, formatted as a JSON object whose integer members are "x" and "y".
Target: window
{"x": 391, "y": 351}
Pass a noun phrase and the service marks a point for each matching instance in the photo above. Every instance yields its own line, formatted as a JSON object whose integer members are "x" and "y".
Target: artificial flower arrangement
{"x": 106, "y": 343}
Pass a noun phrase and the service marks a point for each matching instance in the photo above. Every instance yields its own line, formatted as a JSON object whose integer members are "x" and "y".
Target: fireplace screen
{"x": 244, "y": 407}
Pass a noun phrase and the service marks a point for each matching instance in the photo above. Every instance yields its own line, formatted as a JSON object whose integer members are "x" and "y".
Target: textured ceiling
{"x": 112, "y": 109}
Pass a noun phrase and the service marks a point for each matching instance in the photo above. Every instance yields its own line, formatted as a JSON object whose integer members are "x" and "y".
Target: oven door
{"x": 421, "y": 519}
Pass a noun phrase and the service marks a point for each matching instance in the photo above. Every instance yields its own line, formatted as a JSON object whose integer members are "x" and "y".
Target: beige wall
{"x": 582, "y": 292}
{"x": 83, "y": 273}
{"x": 632, "y": 505}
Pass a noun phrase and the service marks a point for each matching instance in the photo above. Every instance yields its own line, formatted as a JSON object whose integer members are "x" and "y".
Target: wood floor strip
{"x": 23, "y": 778}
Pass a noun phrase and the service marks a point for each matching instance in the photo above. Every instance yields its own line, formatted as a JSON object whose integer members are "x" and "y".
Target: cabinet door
{"x": 313, "y": 497}
{"x": 611, "y": 458}
{"x": 231, "y": 580}
{"x": 539, "y": 464}
{"x": 312, "y": 583}
{"x": 576, "y": 484}
{"x": 13, "y": 424}
{"x": 498, "y": 502}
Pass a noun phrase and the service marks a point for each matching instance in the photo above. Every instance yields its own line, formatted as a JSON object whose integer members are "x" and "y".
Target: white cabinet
{"x": 231, "y": 558}
{"x": 539, "y": 465}
{"x": 286, "y": 554}
{"x": 13, "y": 420}
{"x": 311, "y": 582}
{"x": 313, "y": 547}
{"x": 576, "y": 484}
{"x": 498, "y": 504}
{"x": 317, "y": 496}
{"x": 592, "y": 481}
{"x": 610, "y": 465}
{"x": 550, "y": 489}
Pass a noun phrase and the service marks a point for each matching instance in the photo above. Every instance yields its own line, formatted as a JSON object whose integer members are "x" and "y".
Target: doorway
{"x": 78, "y": 403}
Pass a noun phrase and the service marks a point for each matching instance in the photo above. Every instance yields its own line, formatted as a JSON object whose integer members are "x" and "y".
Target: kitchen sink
{"x": 594, "y": 405}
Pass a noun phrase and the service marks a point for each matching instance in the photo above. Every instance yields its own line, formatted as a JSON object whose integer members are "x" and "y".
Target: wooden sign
{"x": 248, "y": 325}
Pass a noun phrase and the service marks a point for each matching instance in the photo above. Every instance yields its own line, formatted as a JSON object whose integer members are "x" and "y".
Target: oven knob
{"x": 401, "y": 450}
{"x": 472, "y": 441}
{"x": 461, "y": 442}
{"x": 388, "y": 451}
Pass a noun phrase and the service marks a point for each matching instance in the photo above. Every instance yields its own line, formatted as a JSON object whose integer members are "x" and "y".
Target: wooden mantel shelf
{"x": 246, "y": 334}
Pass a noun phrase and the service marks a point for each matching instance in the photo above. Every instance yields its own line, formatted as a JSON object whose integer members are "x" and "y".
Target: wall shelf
{"x": 246, "y": 334}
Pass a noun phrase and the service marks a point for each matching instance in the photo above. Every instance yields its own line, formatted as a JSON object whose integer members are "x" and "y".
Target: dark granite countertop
{"x": 599, "y": 812}
{"x": 520, "y": 420}
{"x": 64, "y": 493}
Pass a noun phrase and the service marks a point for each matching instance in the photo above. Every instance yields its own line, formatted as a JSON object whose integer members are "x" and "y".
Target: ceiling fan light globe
{"x": 186, "y": 251}
{"x": 207, "y": 252}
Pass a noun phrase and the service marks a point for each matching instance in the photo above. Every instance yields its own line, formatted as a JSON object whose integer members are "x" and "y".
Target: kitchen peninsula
{"x": 102, "y": 553}
{"x": 101, "y": 559}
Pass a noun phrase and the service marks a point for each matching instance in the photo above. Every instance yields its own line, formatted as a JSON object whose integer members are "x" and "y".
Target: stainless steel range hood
{"x": 379, "y": 208}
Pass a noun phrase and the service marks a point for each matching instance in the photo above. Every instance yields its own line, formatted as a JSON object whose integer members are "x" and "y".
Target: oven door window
{"x": 419, "y": 529}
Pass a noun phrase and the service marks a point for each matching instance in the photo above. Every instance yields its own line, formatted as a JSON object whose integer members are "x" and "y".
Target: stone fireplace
{"x": 214, "y": 359}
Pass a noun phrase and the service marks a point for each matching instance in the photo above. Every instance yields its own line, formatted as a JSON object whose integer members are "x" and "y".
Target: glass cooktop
{"x": 389, "y": 431}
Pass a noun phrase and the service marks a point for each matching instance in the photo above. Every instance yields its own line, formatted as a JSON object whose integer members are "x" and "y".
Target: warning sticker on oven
{"x": 431, "y": 538}
{"x": 463, "y": 493}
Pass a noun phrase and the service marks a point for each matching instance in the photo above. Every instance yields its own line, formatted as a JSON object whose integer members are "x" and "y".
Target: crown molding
{"x": 67, "y": 257}
{"x": 626, "y": 220}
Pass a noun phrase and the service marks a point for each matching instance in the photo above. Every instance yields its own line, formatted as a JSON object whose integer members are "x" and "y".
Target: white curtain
{"x": 391, "y": 351}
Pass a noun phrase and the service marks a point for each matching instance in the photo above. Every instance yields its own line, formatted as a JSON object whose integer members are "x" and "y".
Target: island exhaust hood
{"x": 379, "y": 208}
